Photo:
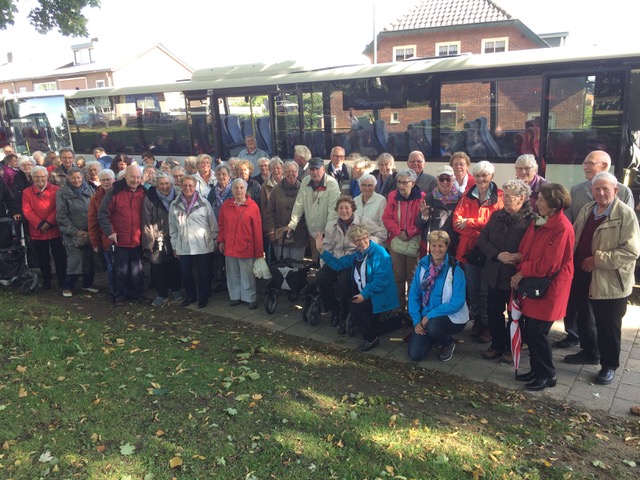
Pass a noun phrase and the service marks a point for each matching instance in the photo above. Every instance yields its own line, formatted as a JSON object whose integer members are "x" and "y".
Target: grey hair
{"x": 106, "y": 173}
{"x": 368, "y": 176}
{"x": 289, "y": 162}
{"x": 39, "y": 168}
{"x": 407, "y": 173}
{"x": 364, "y": 164}
{"x": 92, "y": 163}
{"x": 275, "y": 161}
{"x": 179, "y": 168}
{"x": 223, "y": 167}
{"x": 37, "y": 154}
{"x": 201, "y": 157}
{"x": 263, "y": 159}
{"x": 517, "y": 186}
{"x": 606, "y": 176}
{"x": 527, "y": 159}
{"x": 386, "y": 157}
{"x": 483, "y": 167}
{"x": 239, "y": 180}
{"x": 191, "y": 161}
{"x": 26, "y": 159}
{"x": 160, "y": 175}
{"x": 302, "y": 151}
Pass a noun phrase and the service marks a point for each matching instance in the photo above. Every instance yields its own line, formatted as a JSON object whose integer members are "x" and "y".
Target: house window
{"x": 447, "y": 48}
{"x": 404, "y": 52}
{"x": 23, "y": 89}
{"x": 83, "y": 56}
{"x": 395, "y": 117}
{"x": 100, "y": 84}
{"x": 45, "y": 87}
{"x": 495, "y": 45}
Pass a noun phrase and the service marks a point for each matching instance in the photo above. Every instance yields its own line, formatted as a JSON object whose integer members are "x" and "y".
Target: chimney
{"x": 9, "y": 57}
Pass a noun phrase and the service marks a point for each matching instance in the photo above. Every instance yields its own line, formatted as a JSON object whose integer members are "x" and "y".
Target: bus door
{"x": 200, "y": 122}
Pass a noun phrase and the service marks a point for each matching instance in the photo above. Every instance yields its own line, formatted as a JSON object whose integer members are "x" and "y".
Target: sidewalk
{"x": 575, "y": 382}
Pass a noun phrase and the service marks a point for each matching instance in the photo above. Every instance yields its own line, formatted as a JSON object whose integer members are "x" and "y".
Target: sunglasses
{"x": 444, "y": 179}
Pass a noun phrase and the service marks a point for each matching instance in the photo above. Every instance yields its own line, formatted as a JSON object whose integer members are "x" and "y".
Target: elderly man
{"x": 8, "y": 150}
{"x": 316, "y": 200}
{"x": 425, "y": 182}
{"x": 301, "y": 155}
{"x": 337, "y": 169}
{"x": 120, "y": 217}
{"x": 251, "y": 152}
{"x": 596, "y": 162}
{"x": 607, "y": 246}
{"x": 59, "y": 175}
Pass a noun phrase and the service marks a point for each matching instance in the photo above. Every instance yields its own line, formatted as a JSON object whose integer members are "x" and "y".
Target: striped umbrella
{"x": 516, "y": 336}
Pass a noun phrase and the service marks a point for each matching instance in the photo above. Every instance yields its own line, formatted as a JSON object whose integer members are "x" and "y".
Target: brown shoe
{"x": 635, "y": 410}
{"x": 485, "y": 336}
{"x": 476, "y": 329}
{"x": 490, "y": 354}
{"x": 507, "y": 358}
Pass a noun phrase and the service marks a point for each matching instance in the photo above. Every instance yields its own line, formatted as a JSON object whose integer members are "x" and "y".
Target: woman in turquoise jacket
{"x": 372, "y": 283}
{"x": 437, "y": 301}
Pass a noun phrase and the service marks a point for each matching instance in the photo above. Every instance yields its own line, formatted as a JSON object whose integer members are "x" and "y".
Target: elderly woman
{"x": 527, "y": 171}
{"x": 278, "y": 214}
{"x": 607, "y": 247}
{"x": 385, "y": 174}
{"x": 373, "y": 289}
{"x": 168, "y": 165}
{"x": 399, "y": 218}
{"x": 149, "y": 174}
{"x": 39, "y": 209}
{"x": 263, "y": 170}
{"x": 546, "y": 250}
{"x": 361, "y": 165}
{"x": 120, "y": 163}
{"x": 222, "y": 189}
{"x": 469, "y": 217}
{"x": 460, "y": 163}
{"x": 437, "y": 206}
{"x": 437, "y": 303}
{"x": 72, "y": 202}
{"x": 244, "y": 169}
{"x": 337, "y": 241}
{"x": 193, "y": 231}
{"x": 241, "y": 242}
{"x": 91, "y": 170}
{"x": 23, "y": 179}
{"x": 370, "y": 204}
{"x": 81, "y": 162}
{"x": 231, "y": 163}
{"x": 156, "y": 242}
{"x": 99, "y": 241}
{"x": 205, "y": 176}
{"x": 276, "y": 169}
{"x": 499, "y": 241}
{"x": 10, "y": 169}
{"x": 191, "y": 165}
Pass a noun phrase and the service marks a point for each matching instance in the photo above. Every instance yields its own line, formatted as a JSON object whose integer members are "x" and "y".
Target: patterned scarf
{"x": 452, "y": 197}
{"x": 426, "y": 285}
{"x": 221, "y": 195}
{"x": 166, "y": 199}
{"x": 188, "y": 205}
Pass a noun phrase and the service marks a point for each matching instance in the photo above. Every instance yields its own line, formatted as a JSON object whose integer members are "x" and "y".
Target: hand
{"x": 357, "y": 299}
{"x": 517, "y": 257}
{"x": 17, "y": 217}
{"x": 424, "y": 208}
{"x": 318, "y": 237}
{"x": 221, "y": 247}
{"x": 114, "y": 238}
{"x": 461, "y": 224}
{"x": 96, "y": 249}
{"x": 272, "y": 237}
{"x": 403, "y": 236}
{"x": 420, "y": 327}
{"x": 588, "y": 264}
{"x": 515, "y": 280}
{"x": 505, "y": 257}
{"x": 45, "y": 226}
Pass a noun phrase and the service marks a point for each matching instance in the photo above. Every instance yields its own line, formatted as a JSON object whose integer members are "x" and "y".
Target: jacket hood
{"x": 493, "y": 196}
{"x": 415, "y": 194}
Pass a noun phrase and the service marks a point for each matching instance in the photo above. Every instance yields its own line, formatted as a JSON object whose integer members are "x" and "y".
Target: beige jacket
{"x": 615, "y": 247}
{"x": 337, "y": 242}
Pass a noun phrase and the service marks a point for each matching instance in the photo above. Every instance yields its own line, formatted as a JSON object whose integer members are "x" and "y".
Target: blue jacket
{"x": 435, "y": 307}
{"x": 381, "y": 287}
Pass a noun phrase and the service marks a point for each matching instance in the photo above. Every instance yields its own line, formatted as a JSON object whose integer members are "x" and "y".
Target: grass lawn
{"x": 91, "y": 392}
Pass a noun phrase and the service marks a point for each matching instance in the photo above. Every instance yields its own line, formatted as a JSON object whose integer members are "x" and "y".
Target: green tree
{"x": 65, "y": 15}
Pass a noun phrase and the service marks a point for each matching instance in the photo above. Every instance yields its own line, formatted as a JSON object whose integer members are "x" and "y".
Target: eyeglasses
{"x": 367, "y": 185}
{"x": 445, "y": 179}
{"x": 511, "y": 197}
{"x": 590, "y": 164}
{"x": 523, "y": 169}
{"x": 402, "y": 182}
{"x": 415, "y": 161}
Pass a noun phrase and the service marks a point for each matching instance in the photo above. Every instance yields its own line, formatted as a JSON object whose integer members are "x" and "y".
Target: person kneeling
{"x": 437, "y": 303}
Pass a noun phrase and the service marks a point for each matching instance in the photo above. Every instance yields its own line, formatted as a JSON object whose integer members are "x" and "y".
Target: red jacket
{"x": 478, "y": 215}
{"x": 121, "y": 212}
{"x": 409, "y": 211}
{"x": 240, "y": 229}
{"x": 40, "y": 207}
{"x": 546, "y": 250}
{"x": 98, "y": 238}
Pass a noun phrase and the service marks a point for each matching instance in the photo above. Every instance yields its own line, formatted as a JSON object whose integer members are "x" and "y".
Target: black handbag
{"x": 475, "y": 257}
{"x": 535, "y": 287}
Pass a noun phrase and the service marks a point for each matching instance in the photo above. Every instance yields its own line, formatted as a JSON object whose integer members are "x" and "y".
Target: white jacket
{"x": 193, "y": 233}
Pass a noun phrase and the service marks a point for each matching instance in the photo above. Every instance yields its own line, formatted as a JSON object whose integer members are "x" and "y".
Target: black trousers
{"x": 539, "y": 347}
{"x": 127, "y": 266}
{"x": 45, "y": 249}
{"x": 166, "y": 276}
{"x": 326, "y": 279}
{"x": 368, "y": 322}
{"x": 202, "y": 289}
{"x": 608, "y": 314}
{"x": 579, "y": 309}
{"x": 497, "y": 301}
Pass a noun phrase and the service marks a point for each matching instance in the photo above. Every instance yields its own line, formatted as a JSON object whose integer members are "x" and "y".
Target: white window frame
{"x": 447, "y": 44}
{"x": 485, "y": 41}
{"x": 23, "y": 90}
{"x": 404, "y": 47}
{"x": 395, "y": 118}
{"x": 45, "y": 86}
{"x": 101, "y": 83}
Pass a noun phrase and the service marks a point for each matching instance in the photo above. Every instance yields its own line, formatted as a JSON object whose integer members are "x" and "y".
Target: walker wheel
{"x": 314, "y": 313}
{"x": 352, "y": 328}
{"x": 305, "y": 308}
{"x": 293, "y": 296}
{"x": 271, "y": 302}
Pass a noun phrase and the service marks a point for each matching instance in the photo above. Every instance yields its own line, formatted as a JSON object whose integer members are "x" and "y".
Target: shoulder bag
{"x": 535, "y": 287}
{"x": 409, "y": 247}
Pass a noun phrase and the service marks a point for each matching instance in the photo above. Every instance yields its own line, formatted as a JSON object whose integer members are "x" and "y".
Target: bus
{"x": 34, "y": 121}
{"x": 555, "y": 103}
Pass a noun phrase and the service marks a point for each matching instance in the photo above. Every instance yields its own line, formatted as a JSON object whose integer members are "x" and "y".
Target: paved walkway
{"x": 575, "y": 382}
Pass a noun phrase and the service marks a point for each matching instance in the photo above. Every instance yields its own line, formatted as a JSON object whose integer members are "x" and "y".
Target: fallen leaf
{"x": 21, "y": 369}
{"x": 100, "y": 448}
{"x": 599, "y": 464}
{"x": 22, "y": 393}
{"x": 45, "y": 457}
{"x": 175, "y": 462}
{"x": 160, "y": 432}
{"x": 127, "y": 449}
{"x": 630, "y": 463}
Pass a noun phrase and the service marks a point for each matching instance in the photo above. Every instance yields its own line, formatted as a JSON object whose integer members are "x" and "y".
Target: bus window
{"x": 200, "y": 125}
{"x": 241, "y": 116}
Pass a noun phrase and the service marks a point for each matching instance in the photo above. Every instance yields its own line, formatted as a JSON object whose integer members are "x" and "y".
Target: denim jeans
{"x": 438, "y": 331}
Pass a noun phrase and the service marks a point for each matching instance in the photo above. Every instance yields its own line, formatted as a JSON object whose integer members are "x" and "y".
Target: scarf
{"x": 221, "y": 194}
{"x": 345, "y": 224}
{"x": 426, "y": 285}
{"x": 452, "y": 197}
{"x": 81, "y": 190}
{"x": 166, "y": 199}
{"x": 188, "y": 205}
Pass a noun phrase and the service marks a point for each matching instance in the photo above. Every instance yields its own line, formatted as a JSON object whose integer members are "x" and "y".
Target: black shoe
{"x": 567, "y": 342}
{"x": 342, "y": 329}
{"x": 235, "y": 303}
{"x": 203, "y": 303}
{"x": 366, "y": 346}
{"x": 335, "y": 319}
{"x": 120, "y": 301}
{"x": 219, "y": 289}
{"x": 581, "y": 358}
{"x": 187, "y": 301}
{"x": 605, "y": 376}
{"x": 253, "y": 305}
{"x": 526, "y": 377}
{"x": 541, "y": 383}
{"x": 447, "y": 352}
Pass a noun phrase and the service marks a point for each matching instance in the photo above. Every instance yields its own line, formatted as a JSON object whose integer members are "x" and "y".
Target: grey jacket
{"x": 195, "y": 232}
{"x": 72, "y": 216}
{"x": 581, "y": 195}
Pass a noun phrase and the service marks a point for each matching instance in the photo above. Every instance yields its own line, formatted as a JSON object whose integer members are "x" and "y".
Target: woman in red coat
{"x": 39, "y": 209}
{"x": 240, "y": 240}
{"x": 546, "y": 249}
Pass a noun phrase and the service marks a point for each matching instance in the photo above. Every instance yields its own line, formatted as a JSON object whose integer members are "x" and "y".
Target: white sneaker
{"x": 90, "y": 289}
{"x": 160, "y": 301}
{"x": 67, "y": 293}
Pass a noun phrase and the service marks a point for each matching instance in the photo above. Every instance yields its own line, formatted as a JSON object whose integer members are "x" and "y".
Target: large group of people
{"x": 435, "y": 251}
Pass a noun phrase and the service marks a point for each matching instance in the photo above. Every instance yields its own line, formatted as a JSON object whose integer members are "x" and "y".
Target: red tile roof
{"x": 447, "y": 13}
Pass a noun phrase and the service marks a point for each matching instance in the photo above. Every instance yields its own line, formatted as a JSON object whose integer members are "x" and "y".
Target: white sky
{"x": 325, "y": 32}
